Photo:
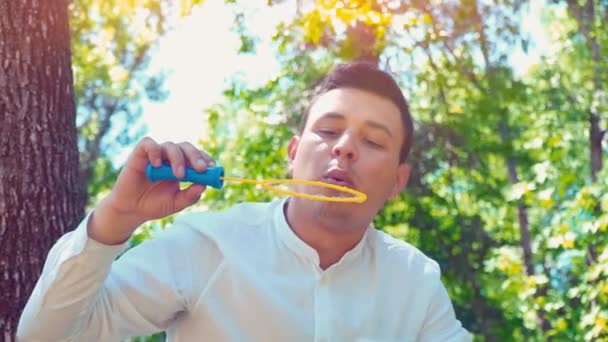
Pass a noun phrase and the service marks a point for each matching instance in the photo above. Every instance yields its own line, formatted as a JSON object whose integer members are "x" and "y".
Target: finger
{"x": 188, "y": 196}
{"x": 152, "y": 151}
{"x": 175, "y": 156}
{"x": 146, "y": 151}
{"x": 196, "y": 158}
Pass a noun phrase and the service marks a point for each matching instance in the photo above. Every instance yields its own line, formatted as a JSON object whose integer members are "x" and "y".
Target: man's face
{"x": 352, "y": 138}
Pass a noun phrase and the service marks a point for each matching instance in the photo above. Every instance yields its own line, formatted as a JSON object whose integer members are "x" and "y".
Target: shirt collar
{"x": 302, "y": 249}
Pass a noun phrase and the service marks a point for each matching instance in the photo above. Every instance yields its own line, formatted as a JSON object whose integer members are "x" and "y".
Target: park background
{"x": 508, "y": 192}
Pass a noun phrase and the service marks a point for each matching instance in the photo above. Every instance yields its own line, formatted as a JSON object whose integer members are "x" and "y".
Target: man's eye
{"x": 373, "y": 143}
{"x": 327, "y": 132}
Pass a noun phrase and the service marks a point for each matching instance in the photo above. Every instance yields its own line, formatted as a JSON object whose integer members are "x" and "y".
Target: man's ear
{"x": 403, "y": 175}
{"x": 292, "y": 148}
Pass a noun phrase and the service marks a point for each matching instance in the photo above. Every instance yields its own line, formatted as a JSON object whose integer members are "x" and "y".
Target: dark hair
{"x": 366, "y": 76}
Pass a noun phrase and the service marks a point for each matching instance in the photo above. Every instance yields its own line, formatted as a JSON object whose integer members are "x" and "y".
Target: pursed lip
{"x": 339, "y": 177}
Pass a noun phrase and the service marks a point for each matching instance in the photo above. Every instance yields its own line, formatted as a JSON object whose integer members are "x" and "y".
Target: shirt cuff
{"x": 81, "y": 243}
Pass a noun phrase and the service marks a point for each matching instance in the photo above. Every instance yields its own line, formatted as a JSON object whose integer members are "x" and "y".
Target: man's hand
{"x": 135, "y": 200}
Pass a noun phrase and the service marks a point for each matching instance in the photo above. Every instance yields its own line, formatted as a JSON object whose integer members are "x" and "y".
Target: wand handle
{"x": 212, "y": 176}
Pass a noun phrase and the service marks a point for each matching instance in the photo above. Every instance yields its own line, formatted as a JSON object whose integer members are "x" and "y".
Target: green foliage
{"x": 493, "y": 152}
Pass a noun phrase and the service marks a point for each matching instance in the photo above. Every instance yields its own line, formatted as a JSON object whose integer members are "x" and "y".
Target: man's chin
{"x": 334, "y": 210}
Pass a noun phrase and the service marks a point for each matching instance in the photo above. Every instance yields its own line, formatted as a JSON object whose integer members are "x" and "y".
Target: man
{"x": 289, "y": 270}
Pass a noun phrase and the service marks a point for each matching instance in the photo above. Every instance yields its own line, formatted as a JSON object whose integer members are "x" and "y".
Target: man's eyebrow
{"x": 374, "y": 124}
{"x": 380, "y": 126}
{"x": 333, "y": 115}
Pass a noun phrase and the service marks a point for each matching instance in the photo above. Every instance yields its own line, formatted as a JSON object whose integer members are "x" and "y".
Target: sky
{"x": 201, "y": 54}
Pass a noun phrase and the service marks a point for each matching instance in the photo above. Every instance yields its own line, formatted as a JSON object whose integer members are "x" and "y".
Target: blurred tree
{"x": 590, "y": 17}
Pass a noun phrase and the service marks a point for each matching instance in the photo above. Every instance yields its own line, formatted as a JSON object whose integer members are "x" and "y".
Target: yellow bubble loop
{"x": 359, "y": 197}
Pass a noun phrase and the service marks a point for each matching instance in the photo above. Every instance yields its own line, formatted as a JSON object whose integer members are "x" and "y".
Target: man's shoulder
{"x": 403, "y": 256}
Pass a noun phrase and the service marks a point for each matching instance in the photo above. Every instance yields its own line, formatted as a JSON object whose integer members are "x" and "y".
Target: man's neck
{"x": 331, "y": 240}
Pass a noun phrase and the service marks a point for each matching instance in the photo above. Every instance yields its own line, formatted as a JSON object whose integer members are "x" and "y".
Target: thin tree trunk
{"x": 524, "y": 227}
{"x": 585, "y": 16}
{"x": 596, "y": 135}
{"x": 40, "y": 194}
{"x": 522, "y": 210}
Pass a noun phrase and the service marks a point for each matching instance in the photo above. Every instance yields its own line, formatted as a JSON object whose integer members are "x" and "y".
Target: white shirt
{"x": 238, "y": 275}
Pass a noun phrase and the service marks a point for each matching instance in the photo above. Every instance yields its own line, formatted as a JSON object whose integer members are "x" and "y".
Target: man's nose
{"x": 345, "y": 147}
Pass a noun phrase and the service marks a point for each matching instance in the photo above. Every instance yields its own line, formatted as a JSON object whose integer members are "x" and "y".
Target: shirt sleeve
{"x": 440, "y": 324}
{"x": 83, "y": 295}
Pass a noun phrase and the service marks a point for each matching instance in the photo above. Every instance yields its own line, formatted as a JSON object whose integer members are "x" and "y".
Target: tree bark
{"x": 40, "y": 194}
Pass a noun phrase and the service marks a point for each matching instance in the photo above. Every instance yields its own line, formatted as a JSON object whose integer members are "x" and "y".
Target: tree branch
{"x": 107, "y": 110}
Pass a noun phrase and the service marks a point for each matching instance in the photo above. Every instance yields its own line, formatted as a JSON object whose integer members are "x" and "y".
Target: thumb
{"x": 188, "y": 196}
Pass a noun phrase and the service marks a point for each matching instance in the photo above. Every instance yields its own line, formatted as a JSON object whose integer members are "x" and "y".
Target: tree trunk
{"x": 596, "y": 135}
{"x": 40, "y": 194}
